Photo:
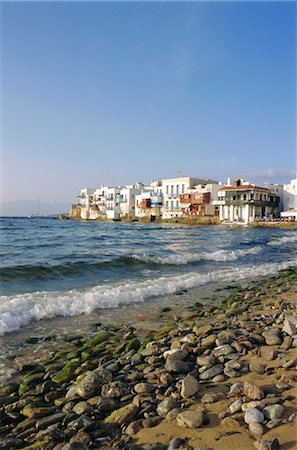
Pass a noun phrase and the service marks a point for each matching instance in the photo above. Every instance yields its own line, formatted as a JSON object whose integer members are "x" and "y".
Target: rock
{"x": 47, "y": 421}
{"x": 253, "y": 415}
{"x": 267, "y": 445}
{"x": 287, "y": 342}
{"x": 273, "y": 411}
{"x": 233, "y": 364}
{"x": 222, "y": 350}
{"x": 75, "y": 446}
{"x": 175, "y": 443}
{"x": 209, "y": 340}
{"x": 178, "y": 366}
{"x": 268, "y": 353}
{"x": 104, "y": 404}
{"x": 166, "y": 405}
{"x": 207, "y": 360}
{"x": 190, "y": 419}
{"x": 209, "y": 398}
{"x": 90, "y": 384}
{"x": 252, "y": 391}
{"x": 115, "y": 389}
{"x": 235, "y": 389}
{"x": 151, "y": 422}
{"x": 290, "y": 325}
{"x": 133, "y": 427}
{"x": 173, "y": 413}
{"x": 256, "y": 429}
{"x": 235, "y": 406}
{"x": 123, "y": 415}
{"x": 257, "y": 366}
{"x": 290, "y": 363}
{"x": 272, "y": 337}
{"x": 34, "y": 411}
{"x": 212, "y": 372}
{"x": 229, "y": 424}
{"x": 141, "y": 388}
{"x": 81, "y": 437}
{"x": 273, "y": 423}
{"x": 175, "y": 354}
{"x": 79, "y": 423}
{"x": 82, "y": 408}
{"x": 166, "y": 378}
{"x": 189, "y": 387}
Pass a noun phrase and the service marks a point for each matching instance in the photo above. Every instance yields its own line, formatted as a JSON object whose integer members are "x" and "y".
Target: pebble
{"x": 273, "y": 411}
{"x": 253, "y": 415}
{"x": 165, "y": 406}
{"x": 252, "y": 391}
{"x": 235, "y": 406}
{"x": 189, "y": 387}
{"x": 190, "y": 419}
{"x": 272, "y": 337}
{"x": 212, "y": 372}
{"x": 256, "y": 429}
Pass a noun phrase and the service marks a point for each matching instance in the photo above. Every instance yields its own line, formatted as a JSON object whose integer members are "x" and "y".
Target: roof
{"x": 244, "y": 187}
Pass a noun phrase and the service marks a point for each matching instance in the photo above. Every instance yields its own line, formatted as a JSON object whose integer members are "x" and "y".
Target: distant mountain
{"x": 30, "y": 207}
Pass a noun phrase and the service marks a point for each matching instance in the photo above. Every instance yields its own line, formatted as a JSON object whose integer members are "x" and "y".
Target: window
{"x": 183, "y": 188}
{"x": 177, "y": 189}
{"x": 172, "y": 187}
{"x": 177, "y": 206}
{"x": 167, "y": 189}
{"x": 167, "y": 204}
{"x": 172, "y": 204}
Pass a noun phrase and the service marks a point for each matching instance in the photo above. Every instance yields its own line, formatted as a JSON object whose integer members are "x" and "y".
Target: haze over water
{"x": 52, "y": 268}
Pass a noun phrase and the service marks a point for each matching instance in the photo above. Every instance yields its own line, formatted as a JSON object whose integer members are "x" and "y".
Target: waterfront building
{"x": 148, "y": 204}
{"x": 172, "y": 188}
{"x": 85, "y": 200}
{"x": 290, "y": 200}
{"x": 245, "y": 202}
{"x": 201, "y": 200}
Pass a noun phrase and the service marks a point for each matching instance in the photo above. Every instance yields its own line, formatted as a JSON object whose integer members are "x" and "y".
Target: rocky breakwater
{"x": 226, "y": 371}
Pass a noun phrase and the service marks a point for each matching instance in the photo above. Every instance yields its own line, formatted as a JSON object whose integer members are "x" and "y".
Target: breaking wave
{"x": 22, "y": 309}
{"x": 180, "y": 259}
{"x": 283, "y": 240}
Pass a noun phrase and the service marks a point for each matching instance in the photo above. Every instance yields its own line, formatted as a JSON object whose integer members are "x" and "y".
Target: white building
{"x": 85, "y": 200}
{"x": 148, "y": 204}
{"x": 172, "y": 188}
{"x": 245, "y": 202}
{"x": 125, "y": 201}
{"x": 290, "y": 195}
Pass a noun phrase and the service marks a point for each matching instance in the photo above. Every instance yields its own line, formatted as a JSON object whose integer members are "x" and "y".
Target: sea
{"x": 54, "y": 270}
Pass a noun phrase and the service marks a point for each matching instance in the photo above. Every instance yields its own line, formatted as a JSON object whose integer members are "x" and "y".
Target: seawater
{"x": 52, "y": 269}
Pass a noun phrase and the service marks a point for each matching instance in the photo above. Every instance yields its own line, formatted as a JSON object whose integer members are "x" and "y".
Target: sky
{"x": 117, "y": 92}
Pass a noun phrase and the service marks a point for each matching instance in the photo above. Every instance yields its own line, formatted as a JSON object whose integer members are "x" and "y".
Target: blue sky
{"x": 117, "y": 92}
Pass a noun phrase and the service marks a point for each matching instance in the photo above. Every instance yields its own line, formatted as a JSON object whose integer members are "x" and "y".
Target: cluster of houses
{"x": 188, "y": 197}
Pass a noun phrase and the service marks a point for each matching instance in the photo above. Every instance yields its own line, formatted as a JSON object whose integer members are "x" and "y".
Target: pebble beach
{"x": 195, "y": 376}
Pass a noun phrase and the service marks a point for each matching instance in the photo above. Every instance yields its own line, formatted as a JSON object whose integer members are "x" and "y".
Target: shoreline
{"x": 42, "y": 407}
{"x": 198, "y": 221}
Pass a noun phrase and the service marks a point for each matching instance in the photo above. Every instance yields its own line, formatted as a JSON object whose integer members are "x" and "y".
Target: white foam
{"x": 20, "y": 310}
{"x": 287, "y": 239}
{"x": 186, "y": 258}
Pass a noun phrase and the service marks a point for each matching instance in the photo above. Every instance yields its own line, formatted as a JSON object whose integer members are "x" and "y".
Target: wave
{"x": 20, "y": 310}
{"x": 180, "y": 259}
{"x": 143, "y": 261}
{"x": 44, "y": 271}
{"x": 288, "y": 239}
